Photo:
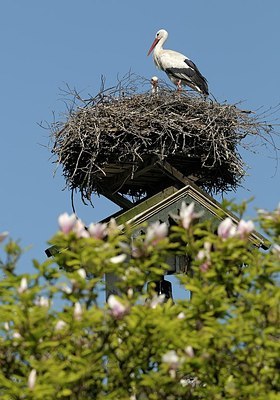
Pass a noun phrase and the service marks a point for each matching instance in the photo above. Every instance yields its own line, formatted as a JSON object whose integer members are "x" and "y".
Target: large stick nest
{"x": 127, "y": 127}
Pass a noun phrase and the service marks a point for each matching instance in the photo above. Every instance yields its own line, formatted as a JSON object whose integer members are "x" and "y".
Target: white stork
{"x": 179, "y": 68}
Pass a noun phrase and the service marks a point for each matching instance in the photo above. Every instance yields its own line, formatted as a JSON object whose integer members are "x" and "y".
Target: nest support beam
{"x": 118, "y": 199}
{"x": 170, "y": 176}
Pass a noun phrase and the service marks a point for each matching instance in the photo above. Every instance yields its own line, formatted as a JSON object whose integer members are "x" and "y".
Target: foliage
{"x": 59, "y": 341}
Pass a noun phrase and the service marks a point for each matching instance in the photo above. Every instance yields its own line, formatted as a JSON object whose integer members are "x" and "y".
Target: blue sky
{"x": 45, "y": 44}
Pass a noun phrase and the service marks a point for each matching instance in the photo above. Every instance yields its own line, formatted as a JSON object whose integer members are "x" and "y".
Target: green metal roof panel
{"x": 161, "y": 205}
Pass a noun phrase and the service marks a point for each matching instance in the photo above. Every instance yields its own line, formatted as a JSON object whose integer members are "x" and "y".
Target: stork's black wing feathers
{"x": 192, "y": 65}
{"x": 190, "y": 76}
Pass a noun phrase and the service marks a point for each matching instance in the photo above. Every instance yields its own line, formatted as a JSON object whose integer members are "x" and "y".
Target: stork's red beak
{"x": 153, "y": 46}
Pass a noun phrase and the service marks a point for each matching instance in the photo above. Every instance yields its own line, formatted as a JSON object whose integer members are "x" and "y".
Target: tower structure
{"x": 149, "y": 152}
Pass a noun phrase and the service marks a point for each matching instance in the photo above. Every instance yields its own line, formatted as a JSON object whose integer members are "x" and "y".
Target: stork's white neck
{"x": 162, "y": 35}
{"x": 162, "y": 40}
{"x": 159, "y": 47}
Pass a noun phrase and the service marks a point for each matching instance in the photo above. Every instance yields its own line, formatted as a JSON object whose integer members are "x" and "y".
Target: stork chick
{"x": 154, "y": 84}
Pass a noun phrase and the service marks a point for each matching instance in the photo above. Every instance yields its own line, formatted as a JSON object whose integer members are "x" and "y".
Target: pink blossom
{"x": 205, "y": 266}
{"x": 226, "y": 229}
{"x": 97, "y": 231}
{"x": 187, "y": 214}
{"x": 66, "y": 222}
{"x": 156, "y": 232}
{"x": 32, "y": 379}
{"x": 245, "y": 228}
{"x": 3, "y": 235}
{"x": 137, "y": 252}
{"x": 181, "y": 315}
{"x": 118, "y": 310}
{"x": 80, "y": 229}
{"x": 204, "y": 255}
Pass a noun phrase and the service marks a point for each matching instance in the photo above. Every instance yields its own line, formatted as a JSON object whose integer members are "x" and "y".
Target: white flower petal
{"x": 117, "y": 308}
{"x": 189, "y": 351}
{"x": 42, "y": 301}
{"x": 78, "y": 312}
{"x": 3, "y": 235}
{"x": 82, "y": 273}
{"x": 80, "y": 230}
{"x": 156, "y": 232}
{"x": 187, "y": 214}
{"x": 171, "y": 358}
{"x": 23, "y": 285}
{"x": 245, "y": 228}
{"x": 98, "y": 230}
{"x": 181, "y": 315}
{"x": 226, "y": 229}
{"x": 66, "y": 289}
{"x": 60, "y": 325}
{"x": 32, "y": 379}
{"x": 118, "y": 259}
{"x": 156, "y": 300}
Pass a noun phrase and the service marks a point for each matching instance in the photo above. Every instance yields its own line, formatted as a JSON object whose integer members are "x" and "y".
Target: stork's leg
{"x": 179, "y": 86}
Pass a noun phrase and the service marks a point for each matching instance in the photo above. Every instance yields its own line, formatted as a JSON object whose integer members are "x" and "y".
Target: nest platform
{"x": 125, "y": 142}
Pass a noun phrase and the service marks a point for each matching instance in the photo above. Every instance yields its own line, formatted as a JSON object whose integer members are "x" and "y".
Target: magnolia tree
{"x": 60, "y": 340}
